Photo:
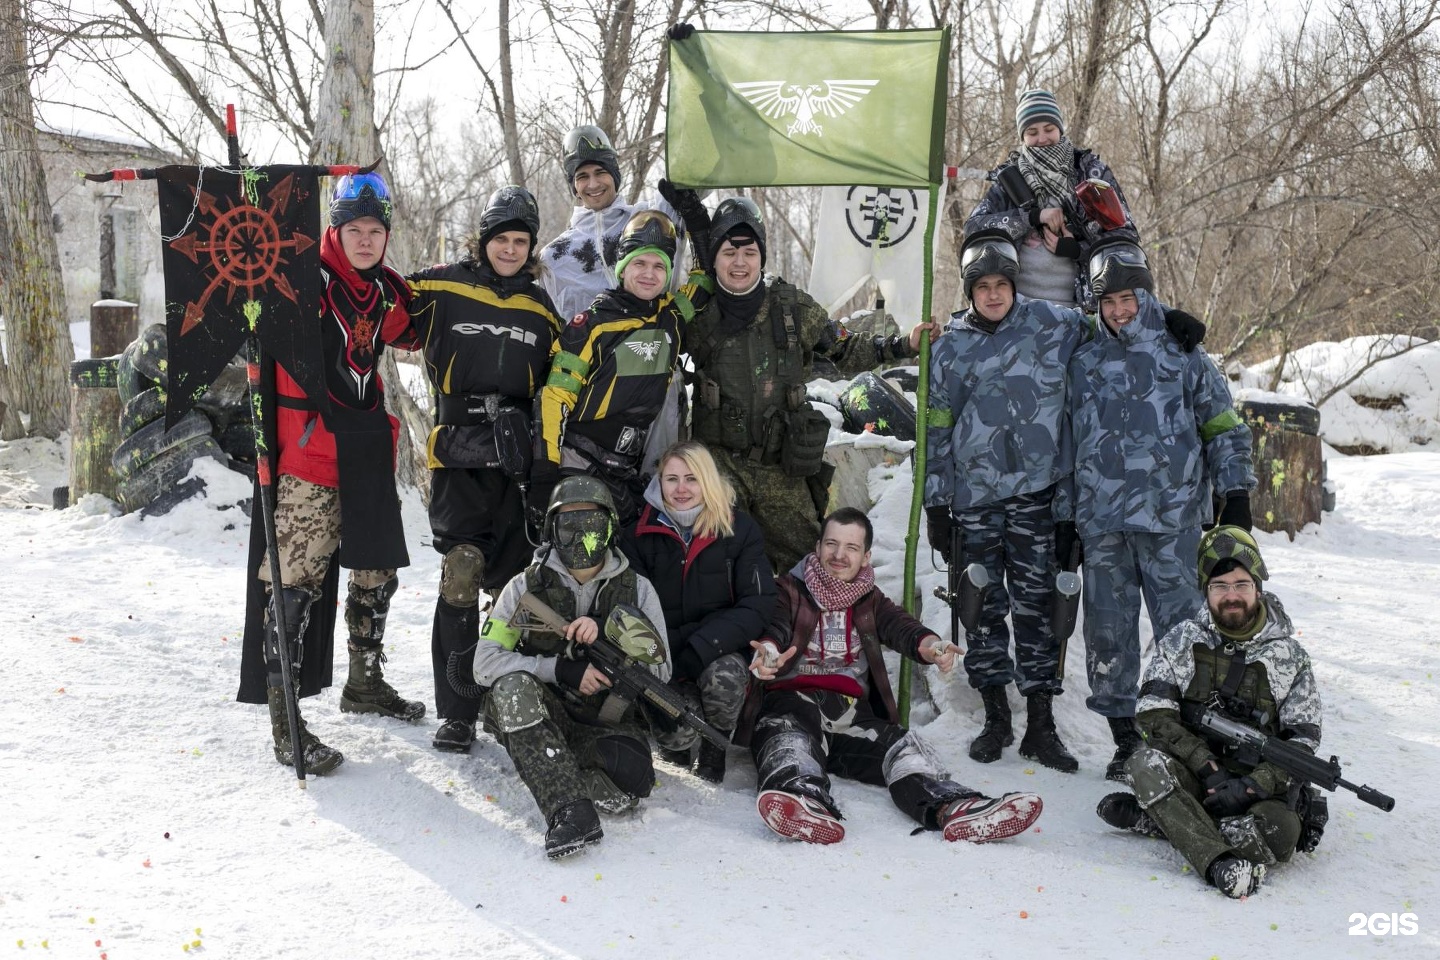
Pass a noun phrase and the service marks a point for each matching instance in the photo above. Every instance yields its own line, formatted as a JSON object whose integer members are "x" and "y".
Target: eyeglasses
{"x": 1242, "y": 588}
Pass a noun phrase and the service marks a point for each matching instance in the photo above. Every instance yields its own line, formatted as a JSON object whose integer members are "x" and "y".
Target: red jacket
{"x": 314, "y": 460}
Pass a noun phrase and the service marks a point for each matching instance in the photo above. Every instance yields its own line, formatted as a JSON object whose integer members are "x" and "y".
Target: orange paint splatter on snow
{"x": 1024, "y": 915}
{"x": 564, "y": 899}
{"x": 145, "y": 864}
{"x": 76, "y": 639}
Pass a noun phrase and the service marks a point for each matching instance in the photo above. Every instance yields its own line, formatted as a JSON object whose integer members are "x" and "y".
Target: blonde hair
{"x": 717, "y": 514}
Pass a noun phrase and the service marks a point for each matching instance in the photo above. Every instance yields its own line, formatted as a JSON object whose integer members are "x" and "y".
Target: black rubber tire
{"x": 145, "y": 407}
{"x": 94, "y": 373}
{"x": 165, "y": 471}
{"x": 906, "y": 378}
{"x": 873, "y": 404}
{"x": 130, "y": 381}
{"x": 238, "y": 440}
{"x": 152, "y": 354}
{"x": 152, "y": 440}
{"x": 1299, "y": 416}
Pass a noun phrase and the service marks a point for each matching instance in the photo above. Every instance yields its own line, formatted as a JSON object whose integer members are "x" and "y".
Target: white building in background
{"x": 82, "y": 210}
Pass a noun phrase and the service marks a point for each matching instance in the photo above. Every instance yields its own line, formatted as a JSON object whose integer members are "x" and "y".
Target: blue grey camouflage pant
{"x": 1014, "y": 540}
{"x": 1120, "y": 568}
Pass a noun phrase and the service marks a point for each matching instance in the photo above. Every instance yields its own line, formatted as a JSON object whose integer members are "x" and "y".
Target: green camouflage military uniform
{"x": 750, "y": 408}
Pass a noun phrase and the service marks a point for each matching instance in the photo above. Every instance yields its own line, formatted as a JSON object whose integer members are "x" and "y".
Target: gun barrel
{"x": 1370, "y": 795}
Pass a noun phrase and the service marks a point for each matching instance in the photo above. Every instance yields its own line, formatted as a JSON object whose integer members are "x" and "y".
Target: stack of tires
{"x": 151, "y": 461}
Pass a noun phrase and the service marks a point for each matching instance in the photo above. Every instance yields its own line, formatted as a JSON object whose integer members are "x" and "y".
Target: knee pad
{"x": 1151, "y": 776}
{"x": 626, "y": 761}
{"x": 366, "y": 609}
{"x": 911, "y": 755}
{"x": 460, "y": 574}
{"x": 516, "y": 702}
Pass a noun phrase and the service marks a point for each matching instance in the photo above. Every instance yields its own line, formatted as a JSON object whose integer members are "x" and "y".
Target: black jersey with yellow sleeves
{"x": 484, "y": 336}
{"x": 615, "y": 364}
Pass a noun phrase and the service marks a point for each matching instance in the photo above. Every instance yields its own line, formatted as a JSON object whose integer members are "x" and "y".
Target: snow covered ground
{"x": 141, "y": 811}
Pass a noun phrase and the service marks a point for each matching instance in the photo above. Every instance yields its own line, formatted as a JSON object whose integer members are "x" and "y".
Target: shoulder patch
{"x": 580, "y": 318}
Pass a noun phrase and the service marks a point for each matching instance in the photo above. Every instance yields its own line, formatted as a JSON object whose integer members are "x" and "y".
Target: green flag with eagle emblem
{"x": 826, "y": 108}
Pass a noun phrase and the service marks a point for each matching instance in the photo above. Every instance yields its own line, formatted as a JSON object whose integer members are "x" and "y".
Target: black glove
{"x": 569, "y": 673}
{"x": 1236, "y": 511}
{"x": 1069, "y": 248}
{"x": 1186, "y": 330}
{"x": 680, "y": 31}
{"x": 1067, "y": 538}
{"x": 695, "y": 217}
{"x": 938, "y": 524}
{"x": 1212, "y": 775}
{"x": 1234, "y": 797}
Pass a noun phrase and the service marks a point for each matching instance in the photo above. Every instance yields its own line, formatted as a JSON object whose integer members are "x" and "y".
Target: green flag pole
{"x": 922, "y": 398}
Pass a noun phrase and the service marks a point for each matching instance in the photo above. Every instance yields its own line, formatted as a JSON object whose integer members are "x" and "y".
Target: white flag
{"x": 873, "y": 232}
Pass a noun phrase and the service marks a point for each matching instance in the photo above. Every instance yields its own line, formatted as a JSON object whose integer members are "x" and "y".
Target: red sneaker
{"x": 981, "y": 819}
{"x": 799, "y": 818}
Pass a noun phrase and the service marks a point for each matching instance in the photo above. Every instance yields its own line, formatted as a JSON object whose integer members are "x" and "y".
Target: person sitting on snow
{"x": 1229, "y": 816}
{"x": 821, "y": 703}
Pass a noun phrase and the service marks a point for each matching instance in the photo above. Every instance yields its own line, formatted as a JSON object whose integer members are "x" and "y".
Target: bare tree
{"x": 36, "y": 376}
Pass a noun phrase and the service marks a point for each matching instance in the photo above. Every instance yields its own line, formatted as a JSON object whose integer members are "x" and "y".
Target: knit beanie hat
{"x": 1037, "y": 106}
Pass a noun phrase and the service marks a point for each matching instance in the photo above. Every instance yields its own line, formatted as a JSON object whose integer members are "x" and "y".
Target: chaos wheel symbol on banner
{"x": 244, "y": 245}
{"x": 881, "y": 217}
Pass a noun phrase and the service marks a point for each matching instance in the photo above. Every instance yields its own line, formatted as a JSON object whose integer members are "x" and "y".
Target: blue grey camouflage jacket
{"x": 1150, "y": 431}
{"x": 996, "y": 212}
{"x": 1171, "y": 670}
{"x": 997, "y": 403}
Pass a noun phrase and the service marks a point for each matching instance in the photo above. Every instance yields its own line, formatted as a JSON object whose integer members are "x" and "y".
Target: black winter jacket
{"x": 718, "y": 595}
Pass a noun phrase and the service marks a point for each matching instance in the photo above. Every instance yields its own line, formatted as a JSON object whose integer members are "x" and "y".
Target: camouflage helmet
{"x": 735, "y": 213}
{"x": 986, "y": 253}
{"x": 1117, "y": 265}
{"x": 581, "y": 490}
{"x": 1230, "y": 543}
{"x": 588, "y": 144}
{"x": 360, "y": 195}
{"x": 510, "y": 205}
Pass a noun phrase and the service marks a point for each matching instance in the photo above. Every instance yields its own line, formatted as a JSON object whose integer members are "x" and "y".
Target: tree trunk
{"x": 1095, "y": 43}
{"x": 507, "y": 93}
{"x": 345, "y": 133}
{"x": 32, "y": 293}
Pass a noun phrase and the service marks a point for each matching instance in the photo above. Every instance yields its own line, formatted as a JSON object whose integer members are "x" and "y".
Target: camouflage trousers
{"x": 719, "y": 694}
{"x": 307, "y": 532}
{"x": 785, "y": 507}
{"x": 1014, "y": 540}
{"x": 1120, "y": 568}
{"x": 1170, "y": 794}
{"x": 561, "y": 758}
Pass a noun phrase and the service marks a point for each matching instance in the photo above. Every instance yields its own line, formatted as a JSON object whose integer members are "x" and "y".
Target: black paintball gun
{"x": 624, "y": 647}
{"x": 964, "y": 594}
{"x": 1065, "y": 604}
{"x": 1255, "y": 746}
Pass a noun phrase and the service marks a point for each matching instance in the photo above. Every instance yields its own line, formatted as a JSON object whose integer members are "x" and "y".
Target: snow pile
{"x": 1381, "y": 393}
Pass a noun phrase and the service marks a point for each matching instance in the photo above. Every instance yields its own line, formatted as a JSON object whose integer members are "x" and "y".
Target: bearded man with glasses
{"x": 1230, "y": 814}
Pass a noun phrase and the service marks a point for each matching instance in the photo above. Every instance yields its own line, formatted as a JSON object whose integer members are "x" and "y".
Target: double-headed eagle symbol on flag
{"x": 779, "y": 98}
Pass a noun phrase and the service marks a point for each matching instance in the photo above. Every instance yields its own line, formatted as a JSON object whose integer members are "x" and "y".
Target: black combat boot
{"x": 1042, "y": 743}
{"x": 1234, "y": 877}
{"x": 997, "y": 732}
{"x": 367, "y": 692}
{"x": 1122, "y": 811}
{"x": 454, "y": 736}
{"x": 572, "y": 828}
{"x": 319, "y": 759}
{"x": 1127, "y": 741}
{"x": 710, "y": 764}
{"x": 676, "y": 758}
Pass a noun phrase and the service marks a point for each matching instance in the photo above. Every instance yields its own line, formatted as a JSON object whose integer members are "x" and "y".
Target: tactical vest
{"x": 1246, "y": 697}
{"x": 542, "y": 581}
{"x": 748, "y": 383}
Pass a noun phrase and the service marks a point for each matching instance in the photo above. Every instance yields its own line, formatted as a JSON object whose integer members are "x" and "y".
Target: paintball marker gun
{"x": 621, "y": 651}
{"x": 1294, "y": 760}
{"x": 965, "y": 592}
{"x": 1065, "y": 604}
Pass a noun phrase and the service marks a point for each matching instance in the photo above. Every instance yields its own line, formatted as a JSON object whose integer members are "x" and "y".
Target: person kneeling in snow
{"x": 547, "y": 704}
{"x": 1228, "y": 815}
{"x": 821, "y": 702}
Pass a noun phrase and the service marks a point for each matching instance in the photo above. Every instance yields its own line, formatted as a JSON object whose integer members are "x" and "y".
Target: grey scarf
{"x": 1050, "y": 171}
